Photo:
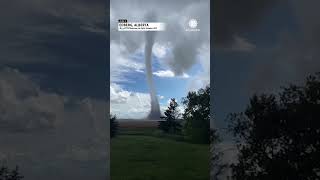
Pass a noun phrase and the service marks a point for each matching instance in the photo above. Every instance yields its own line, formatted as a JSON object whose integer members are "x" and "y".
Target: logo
{"x": 193, "y": 24}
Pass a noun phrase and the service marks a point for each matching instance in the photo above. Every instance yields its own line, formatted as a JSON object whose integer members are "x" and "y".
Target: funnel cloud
{"x": 150, "y": 36}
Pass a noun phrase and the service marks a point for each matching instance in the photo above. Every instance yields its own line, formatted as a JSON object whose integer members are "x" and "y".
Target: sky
{"x": 180, "y": 59}
{"x": 53, "y": 88}
{"x": 259, "y": 47}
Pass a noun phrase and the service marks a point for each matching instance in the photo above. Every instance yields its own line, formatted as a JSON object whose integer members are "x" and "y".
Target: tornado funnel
{"x": 150, "y": 37}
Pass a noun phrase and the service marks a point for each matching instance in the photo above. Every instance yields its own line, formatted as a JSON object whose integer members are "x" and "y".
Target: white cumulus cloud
{"x": 169, "y": 74}
{"x": 129, "y": 104}
{"x": 120, "y": 63}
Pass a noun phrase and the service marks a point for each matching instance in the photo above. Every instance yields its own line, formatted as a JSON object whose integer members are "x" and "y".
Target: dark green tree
{"x": 113, "y": 126}
{"x": 279, "y": 134}
{"x": 172, "y": 123}
{"x": 217, "y": 166}
{"x": 7, "y": 174}
{"x": 197, "y": 115}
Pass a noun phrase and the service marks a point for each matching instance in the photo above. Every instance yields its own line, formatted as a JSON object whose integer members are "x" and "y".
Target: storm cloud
{"x": 61, "y": 128}
{"x": 280, "y": 38}
{"x": 295, "y": 55}
{"x": 175, "y": 37}
{"x": 232, "y": 18}
{"x": 64, "y": 41}
{"x": 53, "y": 67}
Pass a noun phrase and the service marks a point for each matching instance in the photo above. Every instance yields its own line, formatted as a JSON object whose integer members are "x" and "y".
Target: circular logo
{"x": 193, "y": 23}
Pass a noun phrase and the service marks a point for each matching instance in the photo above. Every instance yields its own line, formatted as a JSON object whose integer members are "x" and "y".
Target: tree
{"x": 171, "y": 123}
{"x": 217, "y": 167}
{"x": 197, "y": 115}
{"x": 279, "y": 134}
{"x": 113, "y": 126}
{"x": 7, "y": 174}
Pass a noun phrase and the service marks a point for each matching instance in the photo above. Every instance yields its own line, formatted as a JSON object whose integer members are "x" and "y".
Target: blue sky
{"x": 174, "y": 87}
{"x": 168, "y": 85}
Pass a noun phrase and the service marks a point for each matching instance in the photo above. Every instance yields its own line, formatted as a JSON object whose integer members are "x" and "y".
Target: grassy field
{"x": 146, "y": 156}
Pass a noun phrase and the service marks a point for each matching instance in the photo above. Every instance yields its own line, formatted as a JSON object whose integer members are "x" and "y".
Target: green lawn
{"x": 142, "y": 157}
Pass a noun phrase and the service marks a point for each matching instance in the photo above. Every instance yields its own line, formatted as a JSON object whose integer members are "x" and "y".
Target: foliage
{"x": 278, "y": 135}
{"x": 216, "y": 165}
{"x": 197, "y": 115}
{"x": 113, "y": 126}
{"x": 7, "y": 174}
{"x": 171, "y": 124}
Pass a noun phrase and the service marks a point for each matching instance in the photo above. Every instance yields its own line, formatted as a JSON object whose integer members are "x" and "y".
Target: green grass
{"x": 140, "y": 131}
{"x": 143, "y": 157}
{"x": 151, "y": 132}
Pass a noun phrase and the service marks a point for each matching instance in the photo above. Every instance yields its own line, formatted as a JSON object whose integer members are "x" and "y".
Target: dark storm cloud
{"x": 184, "y": 60}
{"x": 65, "y": 41}
{"x": 232, "y": 18}
{"x": 28, "y": 25}
{"x": 294, "y": 51}
{"x": 287, "y": 49}
{"x": 65, "y": 131}
{"x": 53, "y": 55}
{"x": 295, "y": 54}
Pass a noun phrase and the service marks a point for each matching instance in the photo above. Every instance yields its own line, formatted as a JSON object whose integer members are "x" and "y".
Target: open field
{"x": 144, "y": 154}
{"x": 135, "y": 157}
{"x": 138, "y": 124}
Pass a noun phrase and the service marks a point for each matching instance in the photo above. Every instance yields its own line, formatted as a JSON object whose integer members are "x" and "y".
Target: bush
{"x": 171, "y": 124}
{"x": 197, "y": 116}
{"x": 113, "y": 126}
{"x": 7, "y": 174}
